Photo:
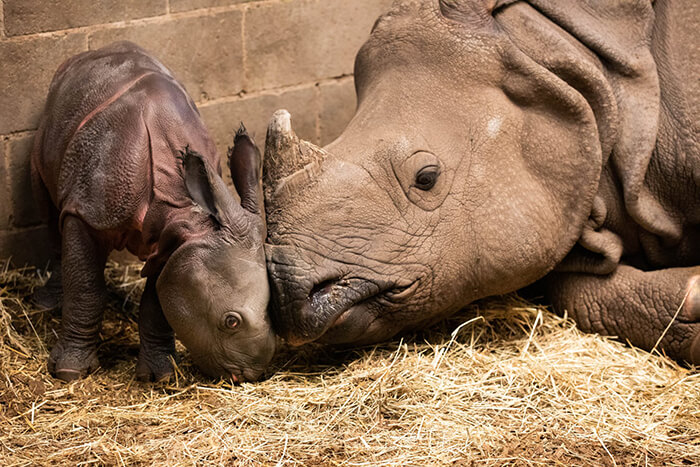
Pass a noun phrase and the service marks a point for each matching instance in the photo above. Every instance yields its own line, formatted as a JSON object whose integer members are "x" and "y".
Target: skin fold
{"x": 124, "y": 161}
{"x": 496, "y": 145}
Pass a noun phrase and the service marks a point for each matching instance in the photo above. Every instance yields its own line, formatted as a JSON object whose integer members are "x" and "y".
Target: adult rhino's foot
{"x": 155, "y": 365}
{"x": 691, "y": 312}
{"x": 70, "y": 363}
{"x": 654, "y": 310}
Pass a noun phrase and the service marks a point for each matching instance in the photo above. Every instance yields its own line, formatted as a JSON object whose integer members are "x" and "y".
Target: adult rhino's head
{"x": 213, "y": 288}
{"x": 468, "y": 170}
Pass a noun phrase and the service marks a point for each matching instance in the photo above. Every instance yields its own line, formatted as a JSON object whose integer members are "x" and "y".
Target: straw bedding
{"x": 502, "y": 383}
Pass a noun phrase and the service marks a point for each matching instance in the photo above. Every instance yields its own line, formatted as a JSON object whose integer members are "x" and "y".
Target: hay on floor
{"x": 502, "y": 383}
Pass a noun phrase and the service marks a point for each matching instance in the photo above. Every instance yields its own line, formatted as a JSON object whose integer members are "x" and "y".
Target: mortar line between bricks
{"x": 13, "y": 135}
{"x": 244, "y": 49}
{"x": 24, "y": 229}
{"x": 2, "y": 19}
{"x": 272, "y": 91}
{"x": 317, "y": 95}
{"x": 167, "y": 7}
{"x": 202, "y": 12}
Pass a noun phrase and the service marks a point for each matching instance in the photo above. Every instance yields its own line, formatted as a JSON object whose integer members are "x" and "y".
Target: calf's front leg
{"x": 156, "y": 336}
{"x": 636, "y": 306}
{"x": 82, "y": 271}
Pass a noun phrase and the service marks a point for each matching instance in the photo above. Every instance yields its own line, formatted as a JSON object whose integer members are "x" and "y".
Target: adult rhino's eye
{"x": 424, "y": 179}
{"x": 427, "y": 177}
{"x": 232, "y": 321}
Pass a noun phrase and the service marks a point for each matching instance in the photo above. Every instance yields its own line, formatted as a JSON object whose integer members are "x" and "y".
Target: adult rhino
{"x": 496, "y": 144}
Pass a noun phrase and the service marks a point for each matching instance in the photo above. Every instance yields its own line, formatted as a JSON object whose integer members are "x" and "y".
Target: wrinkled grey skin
{"x": 496, "y": 145}
{"x": 126, "y": 162}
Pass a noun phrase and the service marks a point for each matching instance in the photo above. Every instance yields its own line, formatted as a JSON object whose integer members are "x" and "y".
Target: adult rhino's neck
{"x": 643, "y": 213}
{"x": 672, "y": 39}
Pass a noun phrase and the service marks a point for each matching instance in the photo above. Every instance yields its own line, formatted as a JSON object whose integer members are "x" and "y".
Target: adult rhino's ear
{"x": 562, "y": 120}
{"x": 584, "y": 73}
{"x": 245, "y": 162}
{"x": 207, "y": 189}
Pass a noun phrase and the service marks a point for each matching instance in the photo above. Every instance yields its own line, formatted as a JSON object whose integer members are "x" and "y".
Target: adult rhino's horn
{"x": 289, "y": 162}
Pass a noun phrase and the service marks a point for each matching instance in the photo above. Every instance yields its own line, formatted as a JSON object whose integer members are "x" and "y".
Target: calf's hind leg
{"x": 636, "y": 306}
{"x": 156, "y": 336}
{"x": 50, "y": 295}
{"x": 83, "y": 262}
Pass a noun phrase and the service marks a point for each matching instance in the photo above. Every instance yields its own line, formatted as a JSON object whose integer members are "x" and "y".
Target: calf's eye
{"x": 427, "y": 177}
{"x": 232, "y": 321}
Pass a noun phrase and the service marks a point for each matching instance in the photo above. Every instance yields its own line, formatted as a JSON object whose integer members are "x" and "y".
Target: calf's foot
{"x": 157, "y": 338}
{"x": 155, "y": 365}
{"x": 82, "y": 270}
{"x": 69, "y": 363}
{"x": 49, "y": 296}
{"x": 691, "y": 313}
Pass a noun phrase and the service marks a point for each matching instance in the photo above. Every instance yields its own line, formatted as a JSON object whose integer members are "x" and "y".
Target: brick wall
{"x": 238, "y": 59}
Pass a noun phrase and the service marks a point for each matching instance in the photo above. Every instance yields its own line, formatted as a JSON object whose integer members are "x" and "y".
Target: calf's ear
{"x": 245, "y": 162}
{"x": 208, "y": 190}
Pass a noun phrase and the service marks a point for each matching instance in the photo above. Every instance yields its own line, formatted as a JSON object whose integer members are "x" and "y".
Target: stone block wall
{"x": 238, "y": 59}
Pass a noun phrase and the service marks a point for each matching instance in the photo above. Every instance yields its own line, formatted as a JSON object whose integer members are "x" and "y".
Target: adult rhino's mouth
{"x": 314, "y": 298}
{"x": 339, "y": 310}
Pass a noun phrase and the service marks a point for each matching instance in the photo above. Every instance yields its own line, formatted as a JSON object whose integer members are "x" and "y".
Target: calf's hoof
{"x": 68, "y": 364}
{"x": 154, "y": 366}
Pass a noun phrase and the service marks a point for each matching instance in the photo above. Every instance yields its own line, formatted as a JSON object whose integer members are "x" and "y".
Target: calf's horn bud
{"x": 289, "y": 162}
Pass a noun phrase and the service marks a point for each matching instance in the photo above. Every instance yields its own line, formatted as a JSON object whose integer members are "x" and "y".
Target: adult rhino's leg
{"x": 83, "y": 262}
{"x": 157, "y": 338}
{"x": 636, "y": 306}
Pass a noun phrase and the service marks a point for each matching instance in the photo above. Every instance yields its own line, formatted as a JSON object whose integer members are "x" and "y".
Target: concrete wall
{"x": 240, "y": 60}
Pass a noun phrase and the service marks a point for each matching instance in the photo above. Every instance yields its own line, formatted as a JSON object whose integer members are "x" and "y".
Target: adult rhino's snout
{"x": 314, "y": 298}
{"x": 300, "y": 311}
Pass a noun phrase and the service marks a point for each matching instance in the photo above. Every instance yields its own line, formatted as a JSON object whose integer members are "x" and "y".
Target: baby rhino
{"x": 124, "y": 156}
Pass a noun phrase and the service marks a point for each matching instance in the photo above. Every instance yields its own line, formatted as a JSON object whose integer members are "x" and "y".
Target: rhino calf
{"x": 127, "y": 162}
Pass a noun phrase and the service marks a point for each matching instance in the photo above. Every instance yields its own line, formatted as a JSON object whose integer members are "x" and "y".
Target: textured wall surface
{"x": 240, "y": 60}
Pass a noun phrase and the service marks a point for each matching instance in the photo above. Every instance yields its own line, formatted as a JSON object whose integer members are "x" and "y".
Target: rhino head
{"x": 213, "y": 288}
{"x": 469, "y": 169}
